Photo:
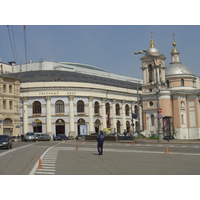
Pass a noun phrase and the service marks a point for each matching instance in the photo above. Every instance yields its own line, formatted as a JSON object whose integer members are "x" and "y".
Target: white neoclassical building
{"x": 75, "y": 99}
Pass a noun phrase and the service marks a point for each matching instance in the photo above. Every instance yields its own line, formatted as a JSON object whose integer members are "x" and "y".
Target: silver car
{"x": 30, "y": 136}
{"x": 44, "y": 137}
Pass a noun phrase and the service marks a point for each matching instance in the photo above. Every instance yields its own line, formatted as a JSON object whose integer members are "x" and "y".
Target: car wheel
{"x": 11, "y": 146}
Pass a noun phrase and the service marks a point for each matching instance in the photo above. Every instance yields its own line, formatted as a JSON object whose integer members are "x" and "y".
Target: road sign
{"x": 132, "y": 124}
{"x": 159, "y": 116}
{"x": 134, "y": 115}
{"x": 159, "y": 110}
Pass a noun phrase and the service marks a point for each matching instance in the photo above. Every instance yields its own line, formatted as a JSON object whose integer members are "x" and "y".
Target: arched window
{"x": 80, "y": 106}
{"x": 7, "y": 121}
{"x": 150, "y": 71}
{"x": 107, "y": 108}
{"x": 117, "y": 109}
{"x": 118, "y": 126}
{"x": 127, "y": 110}
{"x": 36, "y": 107}
{"x": 59, "y": 107}
{"x": 136, "y": 109}
{"x": 96, "y": 107}
{"x": 152, "y": 120}
{"x": 182, "y": 82}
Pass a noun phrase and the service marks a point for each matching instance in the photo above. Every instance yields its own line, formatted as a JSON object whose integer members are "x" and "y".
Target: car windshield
{"x": 30, "y": 134}
{"x": 3, "y": 137}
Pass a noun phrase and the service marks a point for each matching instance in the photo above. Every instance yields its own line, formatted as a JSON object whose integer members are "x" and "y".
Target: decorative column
{"x": 114, "y": 122}
{"x": 103, "y": 113}
{"x": 71, "y": 116}
{"x": 91, "y": 124}
{"x": 123, "y": 116}
{"x": 48, "y": 115}
{"x": 25, "y": 115}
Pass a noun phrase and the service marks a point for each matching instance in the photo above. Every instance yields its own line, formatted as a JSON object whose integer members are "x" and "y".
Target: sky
{"x": 110, "y": 47}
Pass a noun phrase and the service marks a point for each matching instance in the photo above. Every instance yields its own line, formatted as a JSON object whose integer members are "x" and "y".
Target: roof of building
{"x": 67, "y": 76}
{"x": 177, "y": 69}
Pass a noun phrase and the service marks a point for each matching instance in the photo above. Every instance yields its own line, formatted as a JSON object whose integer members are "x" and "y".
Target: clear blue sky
{"x": 110, "y": 47}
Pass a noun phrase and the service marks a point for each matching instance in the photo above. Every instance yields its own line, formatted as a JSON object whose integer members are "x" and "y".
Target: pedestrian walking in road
{"x": 100, "y": 140}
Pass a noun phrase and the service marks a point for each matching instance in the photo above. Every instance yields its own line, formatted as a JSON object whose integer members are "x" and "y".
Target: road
{"x": 81, "y": 158}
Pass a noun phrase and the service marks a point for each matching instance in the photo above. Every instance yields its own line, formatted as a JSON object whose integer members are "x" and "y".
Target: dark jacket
{"x": 100, "y": 138}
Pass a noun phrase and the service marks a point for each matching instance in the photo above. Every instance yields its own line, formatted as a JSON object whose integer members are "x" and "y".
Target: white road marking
{"x": 11, "y": 150}
{"x": 44, "y": 173}
{"x": 33, "y": 171}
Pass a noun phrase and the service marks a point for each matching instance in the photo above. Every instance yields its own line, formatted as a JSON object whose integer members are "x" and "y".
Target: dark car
{"x": 168, "y": 137}
{"x": 60, "y": 137}
{"x": 94, "y": 133}
{"x": 5, "y": 141}
{"x": 44, "y": 137}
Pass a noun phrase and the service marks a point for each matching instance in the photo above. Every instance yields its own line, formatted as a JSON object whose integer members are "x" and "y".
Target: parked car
{"x": 5, "y": 141}
{"x": 168, "y": 137}
{"x": 70, "y": 138}
{"x": 30, "y": 136}
{"x": 60, "y": 137}
{"x": 44, "y": 137}
{"x": 15, "y": 138}
{"x": 94, "y": 133}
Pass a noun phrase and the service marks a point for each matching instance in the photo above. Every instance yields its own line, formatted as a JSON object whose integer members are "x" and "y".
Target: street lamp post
{"x": 153, "y": 58}
{"x": 138, "y": 102}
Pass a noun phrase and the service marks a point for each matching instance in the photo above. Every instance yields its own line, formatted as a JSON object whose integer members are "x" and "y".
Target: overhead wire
{"x": 14, "y": 44}
{"x": 25, "y": 45}
{"x": 11, "y": 42}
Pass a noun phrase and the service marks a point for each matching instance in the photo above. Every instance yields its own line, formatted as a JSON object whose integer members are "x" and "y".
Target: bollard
{"x": 40, "y": 163}
{"x": 76, "y": 147}
{"x": 166, "y": 150}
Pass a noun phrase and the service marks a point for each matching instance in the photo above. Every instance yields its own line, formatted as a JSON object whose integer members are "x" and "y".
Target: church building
{"x": 170, "y": 96}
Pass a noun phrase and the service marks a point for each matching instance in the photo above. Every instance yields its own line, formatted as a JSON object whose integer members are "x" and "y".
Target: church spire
{"x": 174, "y": 53}
{"x": 152, "y": 41}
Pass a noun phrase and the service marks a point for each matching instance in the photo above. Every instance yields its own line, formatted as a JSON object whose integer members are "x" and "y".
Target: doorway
{"x": 60, "y": 126}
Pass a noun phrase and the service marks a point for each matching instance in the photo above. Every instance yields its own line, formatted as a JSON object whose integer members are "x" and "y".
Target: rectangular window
{"x": 10, "y": 105}
{"x": 10, "y": 88}
{"x": 4, "y": 88}
{"x": 4, "y": 104}
{"x": 182, "y": 119}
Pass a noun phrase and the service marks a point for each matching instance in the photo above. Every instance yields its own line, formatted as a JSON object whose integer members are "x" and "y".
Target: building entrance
{"x": 60, "y": 126}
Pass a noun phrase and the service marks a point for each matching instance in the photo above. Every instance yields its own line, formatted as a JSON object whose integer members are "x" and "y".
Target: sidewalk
{"x": 155, "y": 141}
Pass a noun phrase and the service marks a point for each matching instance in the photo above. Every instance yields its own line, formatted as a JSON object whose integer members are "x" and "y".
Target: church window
{"x": 150, "y": 71}
{"x": 152, "y": 120}
{"x": 182, "y": 82}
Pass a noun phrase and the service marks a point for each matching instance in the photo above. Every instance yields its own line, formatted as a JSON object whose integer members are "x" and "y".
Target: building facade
{"x": 9, "y": 105}
{"x": 170, "y": 94}
{"x": 75, "y": 99}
